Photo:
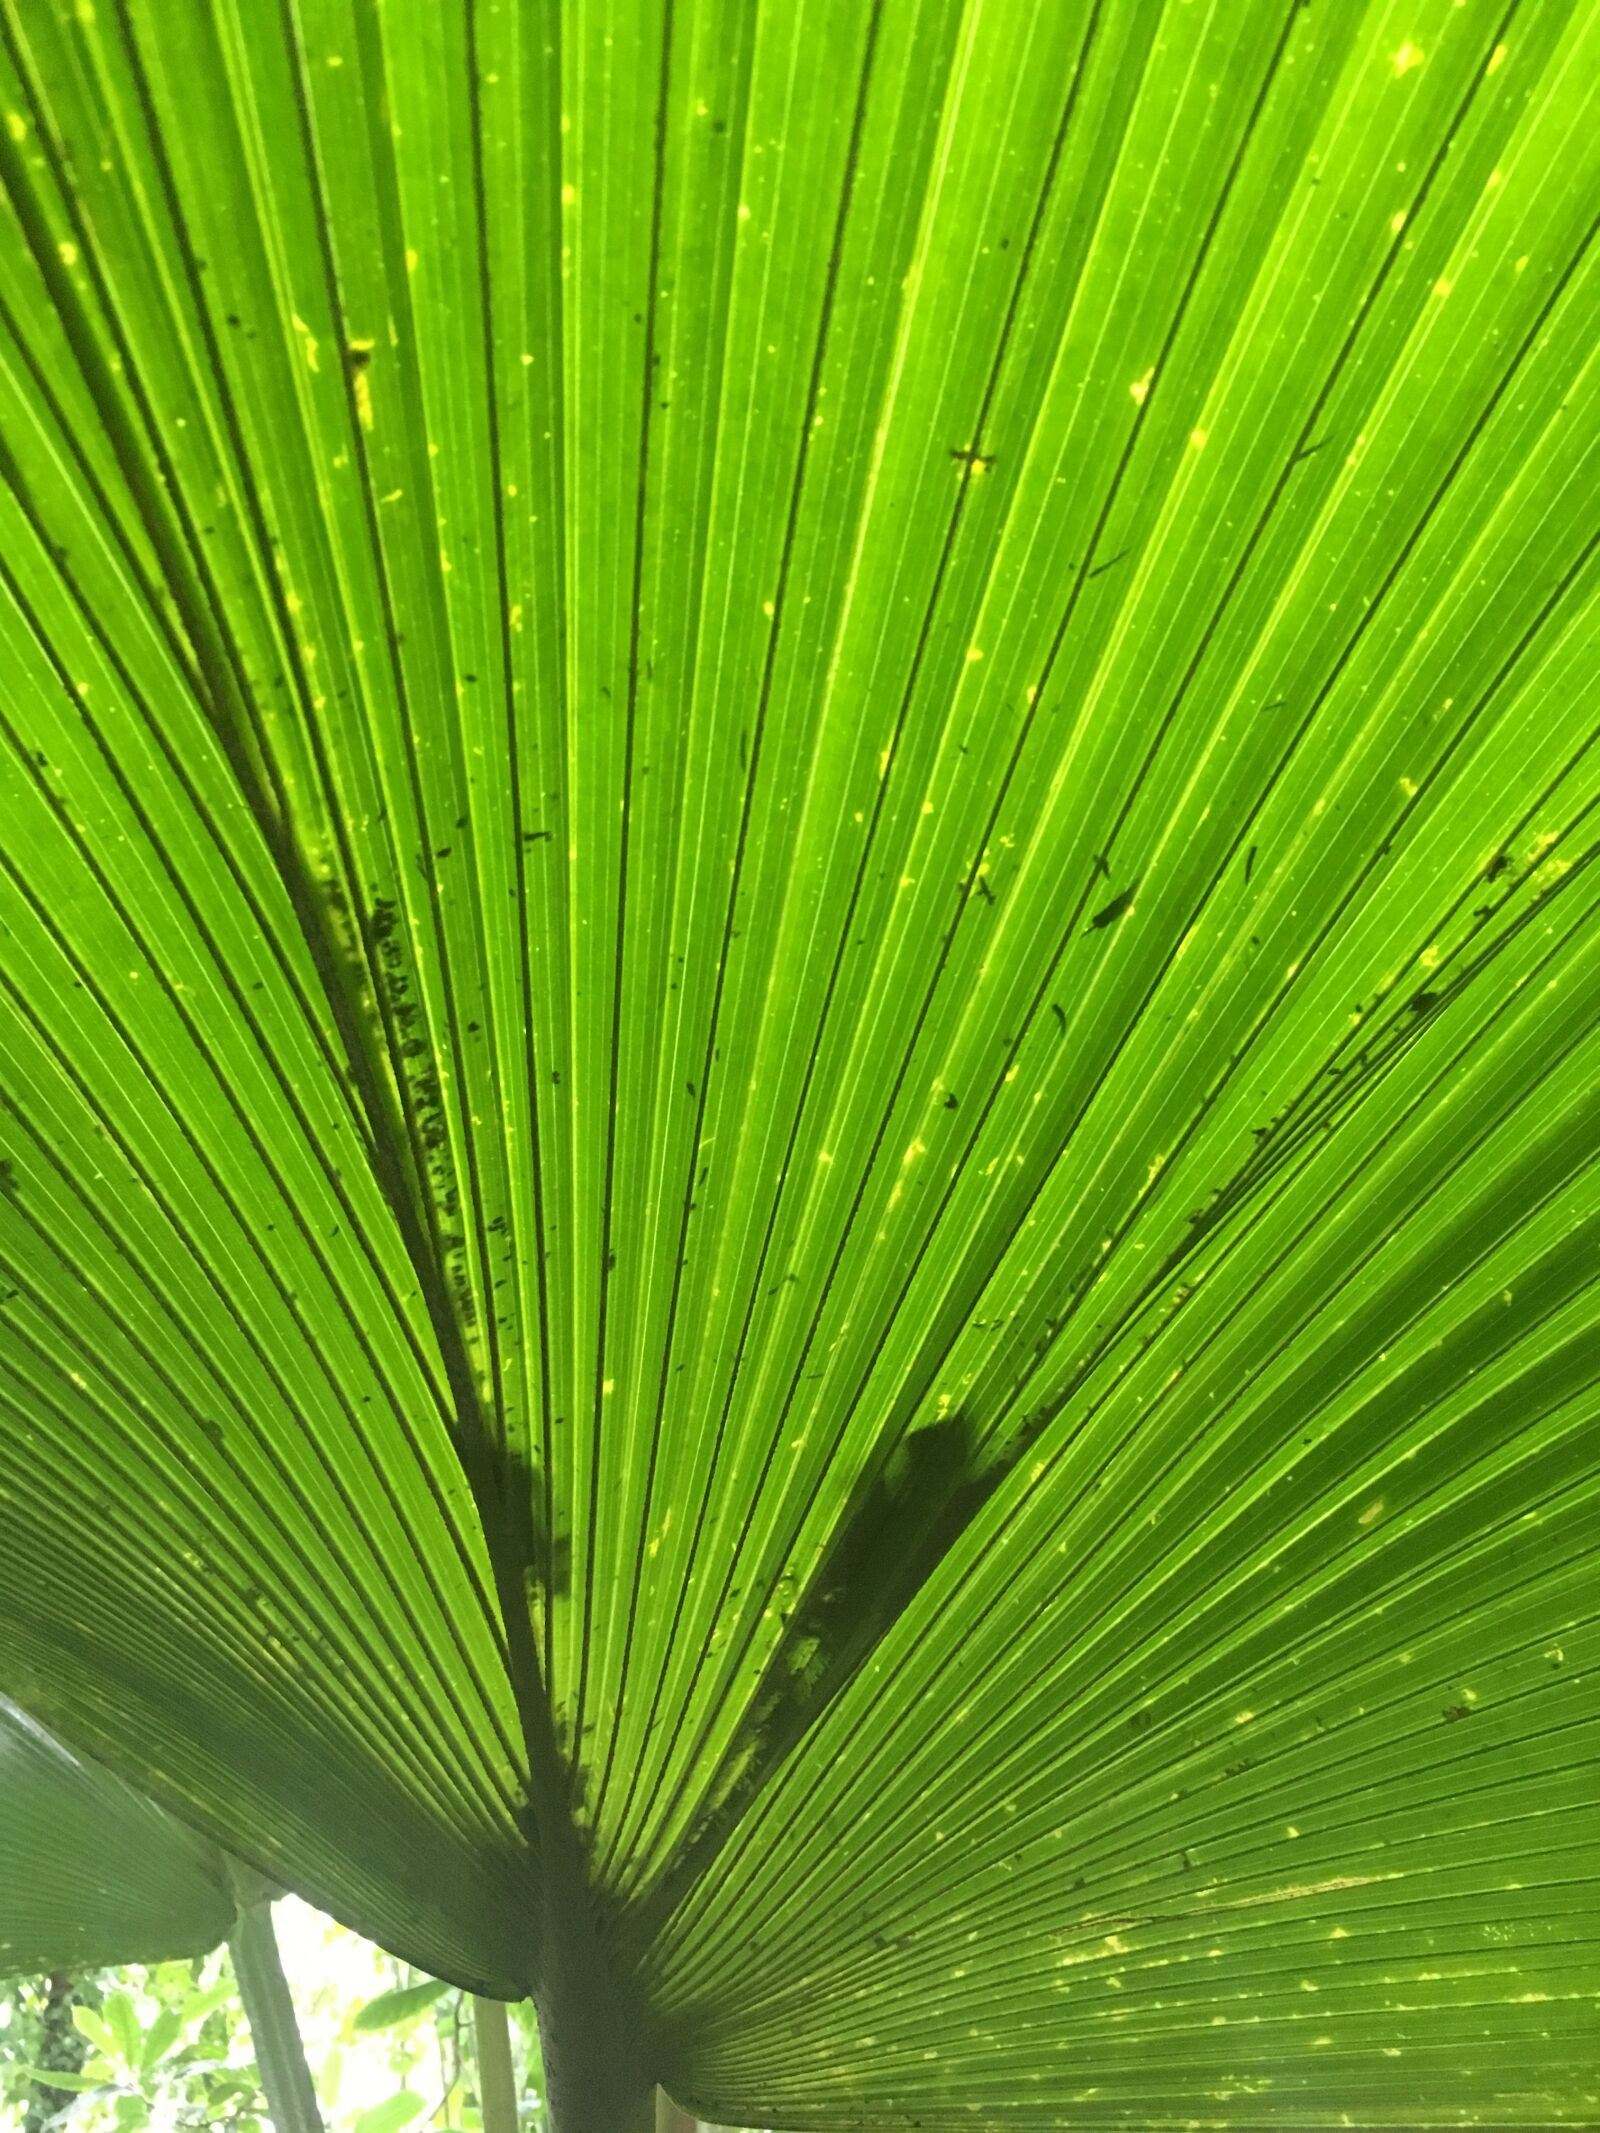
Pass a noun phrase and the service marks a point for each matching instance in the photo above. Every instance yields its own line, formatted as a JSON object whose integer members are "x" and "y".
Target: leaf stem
{"x": 497, "y": 2083}
{"x": 280, "y": 2055}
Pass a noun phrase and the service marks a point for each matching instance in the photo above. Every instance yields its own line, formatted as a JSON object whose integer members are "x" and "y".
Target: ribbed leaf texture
{"x": 91, "y": 1874}
{"x": 799, "y": 938}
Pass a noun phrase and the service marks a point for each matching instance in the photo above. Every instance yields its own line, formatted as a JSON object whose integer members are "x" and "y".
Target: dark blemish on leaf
{"x": 1421, "y": 1002}
{"x": 611, "y": 1260}
{"x": 1120, "y": 555}
{"x": 743, "y": 755}
{"x": 1249, "y": 862}
{"x": 359, "y": 354}
{"x": 233, "y": 318}
{"x": 984, "y": 890}
{"x": 1497, "y": 866}
{"x": 689, "y": 1085}
{"x": 1453, "y": 1711}
{"x": 903, "y": 1516}
{"x": 1119, "y": 907}
{"x": 1102, "y": 865}
{"x": 8, "y": 1177}
{"x": 1060, "y": 1014}
{"x": 970, "y": 459}
{"x": 952, "y": 1102}
{"x": 443, "y": 852}
{"x": 534, "y": 836}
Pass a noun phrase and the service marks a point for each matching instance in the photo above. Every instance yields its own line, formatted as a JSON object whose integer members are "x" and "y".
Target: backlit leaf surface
{"x": 799, "y": 933}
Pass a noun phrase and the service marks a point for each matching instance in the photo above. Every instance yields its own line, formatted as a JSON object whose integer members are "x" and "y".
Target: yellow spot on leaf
{"x": 1141, "y": 386}
{"x": 1408, "y": 56}
{"x": 362, "y": 384}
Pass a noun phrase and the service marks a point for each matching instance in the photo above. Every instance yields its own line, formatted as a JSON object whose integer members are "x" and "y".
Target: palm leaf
{"x": 90, "y": 1874}
{"x": 798, "y": 916}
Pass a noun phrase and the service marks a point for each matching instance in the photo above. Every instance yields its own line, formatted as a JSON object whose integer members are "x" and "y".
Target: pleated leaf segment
{"x": 91, "y": 1874}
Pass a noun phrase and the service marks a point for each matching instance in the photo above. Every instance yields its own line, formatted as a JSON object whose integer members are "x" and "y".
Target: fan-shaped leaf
{"x": 798, "y": 913}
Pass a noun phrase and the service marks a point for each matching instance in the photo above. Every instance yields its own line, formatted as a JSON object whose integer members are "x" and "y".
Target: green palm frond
{"x": 91, "y": 1874}
{"x": 799, "y": 938}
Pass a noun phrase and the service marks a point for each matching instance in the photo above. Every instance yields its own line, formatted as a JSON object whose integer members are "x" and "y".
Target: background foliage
{"x": 166, "y": 2046}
